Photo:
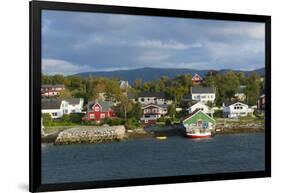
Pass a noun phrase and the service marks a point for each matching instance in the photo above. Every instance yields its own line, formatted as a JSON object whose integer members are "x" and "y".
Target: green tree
{"x": 65, "y": 94}
{"x": 136, "y": 111}
{"x": 58, "y": 79}
{"x": 112, "y": 90}
{"x": 138, "y": 84}
{"x": 253, "y": 88}
{"x": 172, "y": 111}
{"x": 47, "y": 119}
{"x": 229, "y": 85}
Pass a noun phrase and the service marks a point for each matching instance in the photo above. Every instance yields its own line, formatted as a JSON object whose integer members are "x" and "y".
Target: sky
{"x": 74, "y": 42}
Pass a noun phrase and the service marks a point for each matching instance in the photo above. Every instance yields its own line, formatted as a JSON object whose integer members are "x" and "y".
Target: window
{"x": 92, "y": 116}
{"x": 97, "y": 108}
{"x": 55, "y": 114}
{"x": 102, "y": 115}
{"x": 142, "y": 99}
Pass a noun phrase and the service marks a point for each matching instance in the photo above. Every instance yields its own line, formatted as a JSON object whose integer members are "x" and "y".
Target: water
{"x": 152, "y": 158}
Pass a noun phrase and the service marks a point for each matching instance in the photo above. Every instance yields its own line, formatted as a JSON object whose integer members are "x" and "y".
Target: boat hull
{"x": 199, "y": 135}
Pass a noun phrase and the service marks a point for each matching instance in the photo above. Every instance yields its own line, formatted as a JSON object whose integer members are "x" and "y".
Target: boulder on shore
{"x": 91, "y": 134}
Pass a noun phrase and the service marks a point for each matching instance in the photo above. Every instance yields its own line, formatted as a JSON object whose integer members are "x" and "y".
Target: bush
{"x": 65, "y": 118}
{"x": 168, "y": 122}
{"x": 46, "y": 118}
{"x": 75, "y": 117}
{"x": 161, "y": 119}
{"x": 112, "y": 122}
{"x": 132, "y": 123}
{"x": 218, "y": 113}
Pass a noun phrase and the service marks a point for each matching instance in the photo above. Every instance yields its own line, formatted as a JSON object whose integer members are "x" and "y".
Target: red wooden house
{"x": 99, "y": 110}
{"x": 196, "y": 79}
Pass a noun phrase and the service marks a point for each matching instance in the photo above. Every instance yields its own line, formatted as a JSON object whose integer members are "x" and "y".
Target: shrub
{"x": 47, "y": 119}
{"x": 112, "y": 122}
{"x": 218, "y": 113}
{"x": 161, "y": 119}
{"x": 65, "y": 118}
{"x": 75, "y": 117}
{"x": 168, "y": 122}
{"x": 132, "y": 123}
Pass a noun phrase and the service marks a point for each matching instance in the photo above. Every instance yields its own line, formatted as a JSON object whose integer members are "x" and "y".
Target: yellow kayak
{"x": 161, "y": 137}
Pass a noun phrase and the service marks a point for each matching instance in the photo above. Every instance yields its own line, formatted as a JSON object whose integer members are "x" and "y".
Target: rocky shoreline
{"x": 105, "y": 133}
{"x": 90, "y": 134}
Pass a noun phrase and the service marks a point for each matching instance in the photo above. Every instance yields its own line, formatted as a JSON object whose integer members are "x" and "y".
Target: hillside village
{"x": 99, "y": 100}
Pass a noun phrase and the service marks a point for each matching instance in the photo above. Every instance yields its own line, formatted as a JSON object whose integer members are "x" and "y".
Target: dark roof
{"x": 228, "y": 103}
{"x": 152, "y": 94}
{"x": 187, "y": 98}
{"x": 51, "y": 103}
{"x": 187, "y": 103}
{"x": 105, "y": 105}
{"x": 52, "y": 86}
{"x": 73, "y": 101}
{"x": 200, "y": 90}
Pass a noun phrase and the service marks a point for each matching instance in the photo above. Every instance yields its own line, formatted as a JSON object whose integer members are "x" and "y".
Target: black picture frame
{"x": 36, "y": 8}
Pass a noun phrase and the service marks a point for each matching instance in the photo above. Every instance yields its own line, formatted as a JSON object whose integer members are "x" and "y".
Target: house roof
{"x": 51, "y": 103}
{"x": 73, "y": 101}
{"x": 105, "y": 105}
{"x": 187, "y": 97}
{"x": 198, "y": 102}
{"x": 196, "y": 75}
{"x": 194, "y": 113}
{"x": 56, "y": 103}
{"x": 228, "y": 103}
{"x": 52, "y": 86}
{"x": 190, "y": 115}
{"x": 152, "y": 94}
{"x": 187, "y": 103}
{"x": 200, "y": 90}
{"x": 161, "y": 106}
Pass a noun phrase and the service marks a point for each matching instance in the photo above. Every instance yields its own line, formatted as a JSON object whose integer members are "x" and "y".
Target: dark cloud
{"x": 95, "y": 42}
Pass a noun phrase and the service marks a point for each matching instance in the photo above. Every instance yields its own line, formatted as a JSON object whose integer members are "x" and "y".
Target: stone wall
{"x": 91, "y": 134}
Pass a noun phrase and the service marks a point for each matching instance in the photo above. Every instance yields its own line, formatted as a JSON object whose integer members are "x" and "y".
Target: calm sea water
{"x": 152, "y": 158}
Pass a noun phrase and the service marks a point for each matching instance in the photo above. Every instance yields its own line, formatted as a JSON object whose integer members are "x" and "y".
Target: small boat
{"x": 206, "y": 134}
{"x": 161, "y": 137}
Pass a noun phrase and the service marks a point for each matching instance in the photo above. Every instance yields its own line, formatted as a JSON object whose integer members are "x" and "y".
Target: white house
{"x": 146, "y": 98}
{"x": 203, "y": 94}
{"x": 58, "y": 107}
{"x": 124, "y": 84}
{"x": 159, "y": 110}
{"x": 152, "y": 112}
{"x": 236, "y": 109}
{"x": 201, "y": 106}
{"x": 75, "y": 105}
{"x": 49, "y": 90}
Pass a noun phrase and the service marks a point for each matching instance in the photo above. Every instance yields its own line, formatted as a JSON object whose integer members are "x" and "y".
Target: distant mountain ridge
{"x": 148, "y": 74}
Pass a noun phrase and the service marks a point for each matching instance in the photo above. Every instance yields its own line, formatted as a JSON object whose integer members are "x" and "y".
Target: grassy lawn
{"x": 242, "y": 120}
